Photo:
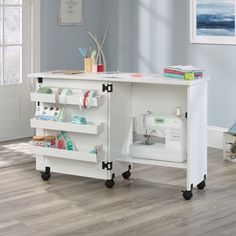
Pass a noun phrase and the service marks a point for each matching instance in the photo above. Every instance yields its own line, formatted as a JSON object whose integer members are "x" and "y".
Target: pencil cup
{"x": 88, "y": 64}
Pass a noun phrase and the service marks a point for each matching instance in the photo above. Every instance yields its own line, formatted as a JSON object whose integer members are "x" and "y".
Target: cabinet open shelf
{"x": 68, "y": 127}
{"x": 70, "y": 155}
{"x": 70, "y": 99}
{"x": 131, "y": 159}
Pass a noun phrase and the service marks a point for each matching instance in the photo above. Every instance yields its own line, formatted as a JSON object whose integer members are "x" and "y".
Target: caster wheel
{"x": 110, "y": 183}
{"x": 45, "y": 176}
{"x": 126, "y": 174}
{"x": 202, "y": 185}
{"x": 187, "y": 194}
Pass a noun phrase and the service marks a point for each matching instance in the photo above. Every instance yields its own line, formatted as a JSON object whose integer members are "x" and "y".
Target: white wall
{"x": 155, "y": 33}
{"x": 59, "y": 44}
{"x": 144, "y": 35}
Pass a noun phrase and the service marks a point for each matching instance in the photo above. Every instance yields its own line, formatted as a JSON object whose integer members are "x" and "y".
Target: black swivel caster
{"x": 187, "y": 194}
{"x": 126, "y": 174}
{"x": 46, "y": 175}
{"x": 202, "y": 185}
{"x": 110, "y": 183}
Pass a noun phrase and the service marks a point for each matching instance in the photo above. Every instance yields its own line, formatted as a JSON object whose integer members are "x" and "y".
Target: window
{"x": 10, "y": 42}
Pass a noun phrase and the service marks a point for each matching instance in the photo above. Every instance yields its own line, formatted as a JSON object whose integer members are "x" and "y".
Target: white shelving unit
{"x": 122, "y": 97}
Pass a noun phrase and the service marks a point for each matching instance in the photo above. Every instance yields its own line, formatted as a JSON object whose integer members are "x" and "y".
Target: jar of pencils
{"x": 88, "y": 65}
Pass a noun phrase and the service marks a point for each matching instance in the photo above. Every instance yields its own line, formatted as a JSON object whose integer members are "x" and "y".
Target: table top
{"x": 120, "y": 77}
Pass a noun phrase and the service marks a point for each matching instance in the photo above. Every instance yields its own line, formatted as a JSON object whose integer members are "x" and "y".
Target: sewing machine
{"x": 160, "y": 138}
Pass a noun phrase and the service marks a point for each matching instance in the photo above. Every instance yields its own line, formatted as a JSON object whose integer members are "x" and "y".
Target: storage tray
{"x": 69, "y": 127}
{"x": 71, "y": 155}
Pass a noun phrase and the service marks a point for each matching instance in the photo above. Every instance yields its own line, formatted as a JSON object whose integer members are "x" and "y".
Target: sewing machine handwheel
{"x": 187, "y": 194}
{"x": 126, "y": 174}
{"x": 202, "y": 185}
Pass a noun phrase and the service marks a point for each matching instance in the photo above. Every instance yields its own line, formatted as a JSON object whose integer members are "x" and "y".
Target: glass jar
{"x": 38, "y": 141}
{"x": 50, "y": 141}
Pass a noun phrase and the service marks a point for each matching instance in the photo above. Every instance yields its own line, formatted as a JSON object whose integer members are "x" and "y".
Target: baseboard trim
{"x": 215, "y": 137}
{"x": 12, "y": 138}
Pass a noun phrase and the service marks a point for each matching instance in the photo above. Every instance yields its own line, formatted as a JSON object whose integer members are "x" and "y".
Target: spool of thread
{"x": 178, "y": 111}
{"x": 100, "y": 68}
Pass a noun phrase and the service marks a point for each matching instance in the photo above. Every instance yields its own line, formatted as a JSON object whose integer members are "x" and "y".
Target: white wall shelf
{"x": 70, "y": 155}
{"x": 68, "y": 127}
{"x": 70, "y": 100}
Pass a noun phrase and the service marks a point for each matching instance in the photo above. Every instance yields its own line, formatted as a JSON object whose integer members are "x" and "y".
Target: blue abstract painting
{"x": 215, "y": 18}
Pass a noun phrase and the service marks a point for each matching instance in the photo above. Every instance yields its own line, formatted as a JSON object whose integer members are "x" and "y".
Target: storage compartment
{"x": 159, "y": 137}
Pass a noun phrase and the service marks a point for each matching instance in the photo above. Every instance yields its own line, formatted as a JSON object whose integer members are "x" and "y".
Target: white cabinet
{"x": 110, "y": 129}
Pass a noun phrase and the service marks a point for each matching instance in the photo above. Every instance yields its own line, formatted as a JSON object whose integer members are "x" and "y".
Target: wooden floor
{"x": 150, "y": 203}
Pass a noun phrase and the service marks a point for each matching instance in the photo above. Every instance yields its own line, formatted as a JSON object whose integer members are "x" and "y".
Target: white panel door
{"x": 197, "y": 134}
{"x": 15, "y": 63}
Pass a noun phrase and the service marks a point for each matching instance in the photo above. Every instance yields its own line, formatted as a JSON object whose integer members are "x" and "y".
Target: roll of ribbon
{"x": 85, "y": 99}
{"x": 178, "y": 111}
{"x": 57, "y": 99}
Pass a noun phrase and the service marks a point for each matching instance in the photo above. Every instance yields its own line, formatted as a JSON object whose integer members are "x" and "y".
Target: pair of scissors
{"x": 83, "y": 52}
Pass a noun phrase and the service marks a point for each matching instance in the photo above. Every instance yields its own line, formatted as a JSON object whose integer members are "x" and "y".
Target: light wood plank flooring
{"x": 150, "y": 203}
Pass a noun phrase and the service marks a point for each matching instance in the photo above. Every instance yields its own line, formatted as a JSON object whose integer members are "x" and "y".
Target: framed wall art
{"x": 213, "y": 21}
{"x": 70, "y": 12}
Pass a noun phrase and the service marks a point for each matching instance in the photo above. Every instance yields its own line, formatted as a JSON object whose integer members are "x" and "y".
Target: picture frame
{"x": 70, "y": 12}
{"x": 213, "y": 21}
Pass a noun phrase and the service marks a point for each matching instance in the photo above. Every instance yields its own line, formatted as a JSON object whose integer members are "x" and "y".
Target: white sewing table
{"x": 121, "y": 97}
